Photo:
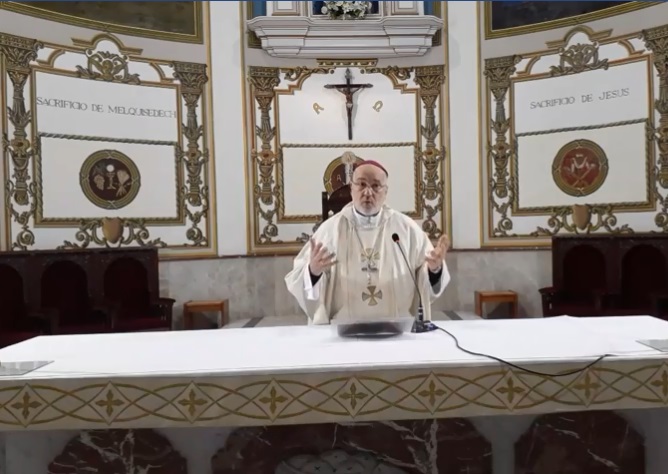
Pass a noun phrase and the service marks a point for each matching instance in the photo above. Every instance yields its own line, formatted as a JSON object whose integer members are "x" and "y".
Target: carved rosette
{"x": 19, "y": 53}
{"x": 193, "y": 78}
{"x": 498, "y": 72}
{"x": 430, "y": 79}
{"x": 656, "y": 40}
{"x": 265, "y": 160}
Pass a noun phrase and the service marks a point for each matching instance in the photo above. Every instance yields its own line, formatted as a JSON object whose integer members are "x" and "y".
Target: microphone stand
{"x": 419, "y": 325}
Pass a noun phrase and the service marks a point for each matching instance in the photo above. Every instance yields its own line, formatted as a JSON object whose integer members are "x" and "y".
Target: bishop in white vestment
{"x": 352, "y": 270}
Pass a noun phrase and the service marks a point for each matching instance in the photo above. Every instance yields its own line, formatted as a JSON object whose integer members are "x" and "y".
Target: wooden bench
{"x": 192, "y": 307}
{"x": 482, "y": 297}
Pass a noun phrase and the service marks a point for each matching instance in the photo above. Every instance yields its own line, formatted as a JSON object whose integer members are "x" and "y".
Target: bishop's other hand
{"x": 436, "y": 256}
{"x": 321, "y": 258}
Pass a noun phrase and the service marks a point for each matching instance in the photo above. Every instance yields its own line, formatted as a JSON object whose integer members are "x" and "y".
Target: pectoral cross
{"x": 348, "y": 90}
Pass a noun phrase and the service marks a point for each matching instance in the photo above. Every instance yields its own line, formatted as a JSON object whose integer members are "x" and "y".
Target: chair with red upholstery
{"x": 64, "y": 289}
{"x": 135, "y": 304}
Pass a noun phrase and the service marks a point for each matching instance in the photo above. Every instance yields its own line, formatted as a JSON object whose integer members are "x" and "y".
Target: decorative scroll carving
{"x": 574, "y": 219}
{"x": 113, "y": 234}
{"x": 266, "y": 192}
{"x": 498, "y": 72}
{"x": 431, "y": 79}
{"x": 19, "y": 53}
{"x": 107, "y": 66}
{"x": 119, "y": 451}
{"x": 578, "y": 58}
{"x": 192, "y": 77}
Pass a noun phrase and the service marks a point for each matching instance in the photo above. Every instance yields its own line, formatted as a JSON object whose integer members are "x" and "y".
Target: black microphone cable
{"x": 515, "y": 366}
{"x": 429, "y": 326}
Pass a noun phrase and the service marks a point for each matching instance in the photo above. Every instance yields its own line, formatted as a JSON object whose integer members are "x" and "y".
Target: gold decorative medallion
{"x": 580, "y": 168}
{"x": 110, "y": 179}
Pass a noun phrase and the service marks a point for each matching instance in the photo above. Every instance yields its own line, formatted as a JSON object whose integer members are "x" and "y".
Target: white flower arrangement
{"x": 346, "y": 10}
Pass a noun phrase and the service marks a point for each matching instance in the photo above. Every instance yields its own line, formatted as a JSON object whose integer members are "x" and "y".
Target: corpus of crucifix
{"x": 348, "y": 89}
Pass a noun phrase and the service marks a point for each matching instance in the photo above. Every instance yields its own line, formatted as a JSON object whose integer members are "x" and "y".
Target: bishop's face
{"x": 369, "y": 189}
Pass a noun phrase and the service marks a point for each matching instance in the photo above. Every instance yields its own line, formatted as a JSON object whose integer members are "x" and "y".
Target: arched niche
{"x": 448, "y": 446}
{"x": 119, "y": 452}
{"x": 591, "y": 442}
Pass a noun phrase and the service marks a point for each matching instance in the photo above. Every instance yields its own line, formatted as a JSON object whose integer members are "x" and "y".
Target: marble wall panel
{"x": 255, "y": 286}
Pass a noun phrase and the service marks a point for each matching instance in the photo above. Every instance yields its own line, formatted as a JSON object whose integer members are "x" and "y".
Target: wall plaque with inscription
{"x": 580, "y": 168}
{"x": 110, "y": 179}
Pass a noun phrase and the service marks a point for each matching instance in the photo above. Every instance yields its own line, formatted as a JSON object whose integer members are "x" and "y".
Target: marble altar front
{"x": 300, "y": 400}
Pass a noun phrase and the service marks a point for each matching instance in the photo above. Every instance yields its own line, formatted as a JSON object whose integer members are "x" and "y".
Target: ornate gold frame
{"x": 649, "y": 204}
{"x": 197, "y": 37}
{"x": 548, "y": 25}
{"x": 265, "y": 163}
{"x": 90, "y": 73}
{"x": 189, "y": 80}
{"x": 501, "y": 145}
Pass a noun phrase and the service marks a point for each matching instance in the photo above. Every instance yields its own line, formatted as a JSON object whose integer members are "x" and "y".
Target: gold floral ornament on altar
{"x": 580, "y": 168}
{"x": 346, "y": 10}
{"x": 339, "y": 172}
{"x": 110, "y": 179}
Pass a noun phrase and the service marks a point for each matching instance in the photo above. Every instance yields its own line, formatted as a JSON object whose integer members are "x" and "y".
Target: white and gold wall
{"x": 573, "y": 128}
{"x": 206, "y": 145}
{"x": 107, "y": 137}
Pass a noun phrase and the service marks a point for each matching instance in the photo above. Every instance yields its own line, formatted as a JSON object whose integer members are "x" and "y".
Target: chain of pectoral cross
{"x": 349, "y": 90}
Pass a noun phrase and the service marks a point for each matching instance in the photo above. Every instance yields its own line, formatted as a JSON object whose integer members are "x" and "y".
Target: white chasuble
{"x": 370, "y": 279}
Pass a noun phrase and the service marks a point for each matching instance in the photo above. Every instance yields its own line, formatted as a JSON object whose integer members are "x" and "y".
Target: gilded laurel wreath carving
{"x": 267, "y": 160}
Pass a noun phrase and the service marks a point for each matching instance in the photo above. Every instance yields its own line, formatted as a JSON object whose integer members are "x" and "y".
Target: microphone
{"x": 419, "y": 325}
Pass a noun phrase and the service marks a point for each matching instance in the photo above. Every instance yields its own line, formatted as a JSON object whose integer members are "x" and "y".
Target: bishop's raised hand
{"x": 436, "y": 256}
{"x": 321, "y": 258}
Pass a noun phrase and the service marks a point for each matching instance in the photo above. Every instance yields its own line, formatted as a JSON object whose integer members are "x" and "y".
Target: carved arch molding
{"x": 266, "y": 160}
{"x": 21, "y": 144}
{"x": 504, "y": 216}
{"x": 558, "y": 443}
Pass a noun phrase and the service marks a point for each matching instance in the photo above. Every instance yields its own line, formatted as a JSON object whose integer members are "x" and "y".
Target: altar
{"x": 286, "y": 399}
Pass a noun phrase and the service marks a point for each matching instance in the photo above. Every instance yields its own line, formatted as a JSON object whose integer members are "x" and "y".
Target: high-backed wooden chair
{"x": 16, "y": 322}
{"x": 332, "y": 204}
{"x": 65, "y": 293}
{"x": 135, "y": 302}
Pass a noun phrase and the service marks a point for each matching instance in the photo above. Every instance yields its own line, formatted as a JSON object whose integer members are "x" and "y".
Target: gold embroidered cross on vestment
{"x": 372, "y": 295}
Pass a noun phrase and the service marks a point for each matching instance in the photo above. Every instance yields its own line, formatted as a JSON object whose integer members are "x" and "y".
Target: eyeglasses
{"x": 375, "y": 188}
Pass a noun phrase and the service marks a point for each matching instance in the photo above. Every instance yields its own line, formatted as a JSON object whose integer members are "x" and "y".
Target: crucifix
{"x": 348, "y": 90}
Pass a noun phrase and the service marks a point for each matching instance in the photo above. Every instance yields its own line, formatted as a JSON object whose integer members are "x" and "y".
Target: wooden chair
{"x": 332, "y": 204}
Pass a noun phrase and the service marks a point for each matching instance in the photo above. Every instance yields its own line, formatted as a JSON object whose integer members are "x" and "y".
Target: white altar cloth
{"x": 305, "y": 374}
